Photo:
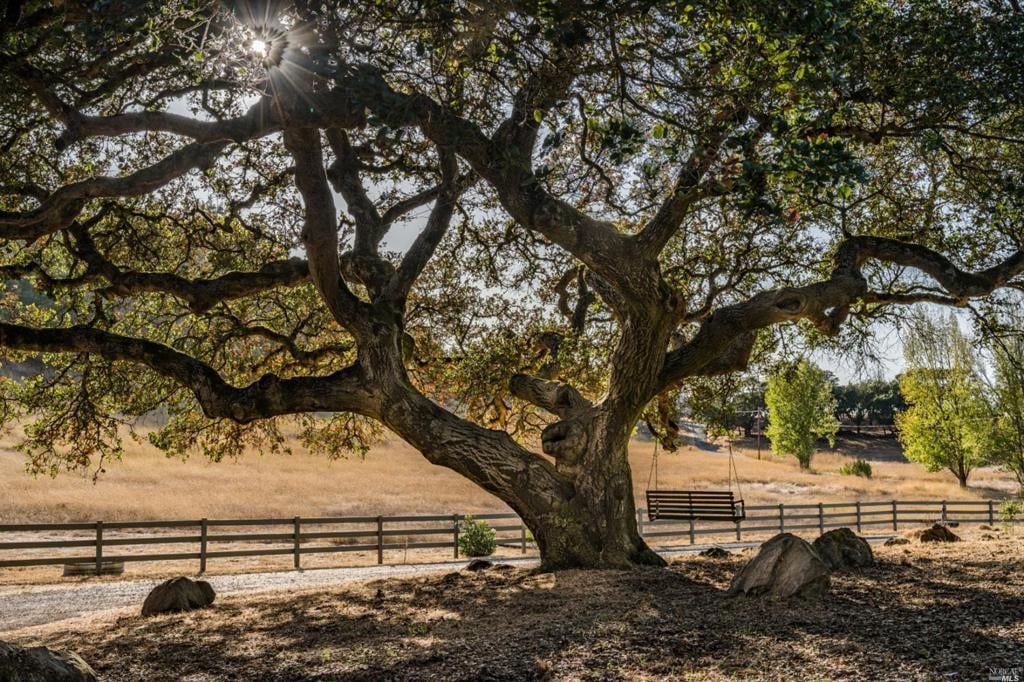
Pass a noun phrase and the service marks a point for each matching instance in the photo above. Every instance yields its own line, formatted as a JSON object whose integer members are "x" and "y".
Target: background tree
{"x": 554, "y": 214}
{"x": 801, "y": 409}
{"x": 726, "y": 404}
{"x": 948, "y": 424}
{"x": 1007, "y": 344}
{"x": 873, "y": 402}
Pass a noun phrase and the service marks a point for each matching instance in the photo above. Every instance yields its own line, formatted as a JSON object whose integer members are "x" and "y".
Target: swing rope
{"x": 734, "y": 473}
{"x": 654, "y": 467}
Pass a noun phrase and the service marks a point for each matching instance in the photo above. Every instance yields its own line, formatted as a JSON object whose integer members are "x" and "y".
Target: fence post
{"x": 380, "y": 539}
{"x": 943, "y": 511}
{"x": 821, "y": 519}
{"x": 782, "y": 518}
{"x": 991, "y": 512}
{"x": 894, "y": 521}
{"x": 99, "y": 547}
{"x": 296, "y": 534}
{"x": 739, "y": 535}
{"x": 202, "y": 546}
{"x": 693, "y": 534}
{"x": 858, "y": 516}
{"x": 455, "y": 534}
{"x": 522, "y": 537}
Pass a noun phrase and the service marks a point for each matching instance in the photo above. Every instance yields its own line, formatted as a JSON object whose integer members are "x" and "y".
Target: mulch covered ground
{"x": 923, "y": 613}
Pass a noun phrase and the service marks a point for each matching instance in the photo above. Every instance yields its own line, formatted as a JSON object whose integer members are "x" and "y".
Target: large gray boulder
{"x": 786, "y": 566}
{"x": 842, "y": 549}
{"x": 39, "y": 664}
{"x": 178, "y": 594}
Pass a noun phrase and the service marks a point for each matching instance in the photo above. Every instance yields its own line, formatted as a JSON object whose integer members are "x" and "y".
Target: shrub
{"x": 1009, "y": 510}
{"x": 857, "y": 467}
{"x": 476, "y": 538}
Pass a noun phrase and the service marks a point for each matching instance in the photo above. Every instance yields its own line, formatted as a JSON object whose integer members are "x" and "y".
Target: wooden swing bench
{"x": 694, "y": 505}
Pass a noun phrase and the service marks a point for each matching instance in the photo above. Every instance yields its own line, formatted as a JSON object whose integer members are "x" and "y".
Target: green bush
{"x": 476, "y": 538}
{"x": 1009, "y": 510}
{"x": 857, "y": 467}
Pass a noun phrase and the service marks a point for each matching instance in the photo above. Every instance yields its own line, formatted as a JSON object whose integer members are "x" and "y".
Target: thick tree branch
{"x": 320, "y": 232}
{"x": 555, "y": 397}
{"x": 596, "y": 243}
{"x": 256, "y": 122}
{"x": 334, "y": 108}
{"x": 541, "y": 91}
{"x": 63, "y": 206}
{"x": 269, "y": 396}
{"x": 723, "y": 341}
{"x": 344, "y": 176}
{"x": 688, "y": 189}
{"x": 423, "y": 248}
{"x": 200, "y": 294}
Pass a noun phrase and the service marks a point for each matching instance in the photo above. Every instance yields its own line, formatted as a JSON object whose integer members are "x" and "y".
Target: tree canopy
{"x": 801, "y": 409}
{"x": 481, "y": 225}
{"x": 948, "y": 424}
{"x": 1007, "y": 344}
{"x": 873, "y": 402}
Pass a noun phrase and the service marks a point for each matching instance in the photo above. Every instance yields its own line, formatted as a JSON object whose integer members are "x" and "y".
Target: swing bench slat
{"x": 695, "y": 505}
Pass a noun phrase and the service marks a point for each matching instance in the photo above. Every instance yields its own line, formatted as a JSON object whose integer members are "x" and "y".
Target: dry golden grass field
{"x": 394, "y": 478}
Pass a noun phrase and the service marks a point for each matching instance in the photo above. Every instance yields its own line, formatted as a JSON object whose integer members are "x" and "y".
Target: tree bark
{"x": 582, "y": 514}
{"x": 597, "y": 527}
{"x": 580, "y": 509}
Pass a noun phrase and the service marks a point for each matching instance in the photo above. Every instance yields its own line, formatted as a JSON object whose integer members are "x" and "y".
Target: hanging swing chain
{"x": 654, "y": 467}
{"x": 734, "y": 473}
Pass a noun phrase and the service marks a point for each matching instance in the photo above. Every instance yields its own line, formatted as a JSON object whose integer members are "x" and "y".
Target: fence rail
{"x": 299, "y": 536}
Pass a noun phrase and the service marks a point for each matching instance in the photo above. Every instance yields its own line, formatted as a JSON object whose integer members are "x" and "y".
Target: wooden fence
{"x": 205, "y": 538}
{"x": 797, "y": 518}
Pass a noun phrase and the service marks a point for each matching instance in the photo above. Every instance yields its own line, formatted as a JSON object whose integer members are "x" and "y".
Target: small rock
{"x": 39, "y": 664}
{"x": 786, "y": 566}
{"x": 937, "y": 533}
{"x": 988, "y": 536}
{"x": 985, "y": 527}
{"x": 842, "y": 549}
{"x": 715, "y": 553}
{"x": 178, "y": 594}
{"x": 479, "y": 565}
{"x": 896, "y": 541}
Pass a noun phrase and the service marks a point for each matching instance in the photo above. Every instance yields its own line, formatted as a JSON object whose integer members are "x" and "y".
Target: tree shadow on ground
{"x": 917, "y": 619}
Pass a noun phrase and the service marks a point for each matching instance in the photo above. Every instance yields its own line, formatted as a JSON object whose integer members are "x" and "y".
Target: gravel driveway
{"x": 24, "y": 606}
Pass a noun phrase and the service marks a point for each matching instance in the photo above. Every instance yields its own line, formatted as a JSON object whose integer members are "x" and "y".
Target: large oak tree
{"x": 504, "y": 230}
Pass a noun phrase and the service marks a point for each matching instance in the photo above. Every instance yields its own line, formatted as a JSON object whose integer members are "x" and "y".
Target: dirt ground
{"x": 925, "y": 612}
